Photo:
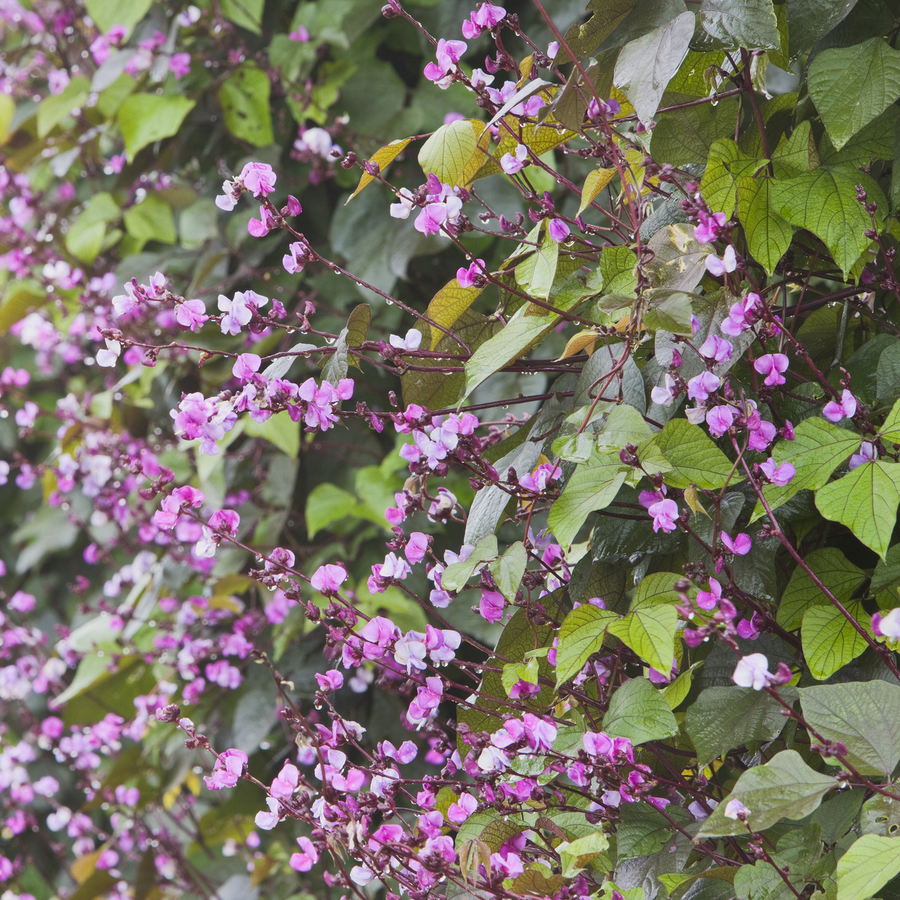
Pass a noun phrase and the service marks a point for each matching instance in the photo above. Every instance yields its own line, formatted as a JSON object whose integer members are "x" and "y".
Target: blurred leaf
{"x": 146, "y": 118}
{"x": 55, "y": 108}
{"x": 107, "y": 13}
{"x": 244, "y": 96}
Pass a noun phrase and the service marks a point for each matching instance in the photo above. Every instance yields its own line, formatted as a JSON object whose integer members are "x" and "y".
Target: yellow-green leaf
{"x": 593, "y": 185}
{"x": 383, "y": 157}
{"x": 455, "y": 152}
{"x": 447, "y": 305}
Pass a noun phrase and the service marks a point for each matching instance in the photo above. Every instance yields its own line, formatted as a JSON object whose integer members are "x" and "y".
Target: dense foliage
{"x": 490, "y": 490}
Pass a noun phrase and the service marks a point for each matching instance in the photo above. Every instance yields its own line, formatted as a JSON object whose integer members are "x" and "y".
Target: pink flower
{"x": 772, "y": 365}
{"x": 301, "y": 35}
{"x": 22, "y": 602}
{"x": 740, "y": 546}
{"x": 778, "y": 474}
{"x": 191, "y": 314}
{"x": 246, "y": 366}
{"x": 448, "y": 55}
{"x": 664, "y": 513}
{"x": 306, "y": 858}
{"x": 294, "y": 261}
{"x": 753, "y": 671}
{"x": 558, "y": 230}
{"x": 258, "y": 178}
{"x": 718, "y": 267}
{"x": 416, "y": 547}
{"x": 227, "y": 770}
{"x": 710, "y": 599}
{"x": 285, "y": 782}
{"x": 739, "y": 316}
{"x": 834, "y": 412}
{"x": 107, "y": 859}
{"x": 459, "y": 811}
{"x": 486, "y": 17}
{"x": 719, "y": 419}
{"x": 180, "y": 65}
{"x": 328, "y": 579}
{"x": 332, "y": 680}
{"x": 491, "y": 606}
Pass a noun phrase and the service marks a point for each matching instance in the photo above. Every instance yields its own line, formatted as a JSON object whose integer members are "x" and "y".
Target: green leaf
{"x": 455, "y": 152}
{"x": 519, "y": 334}
{"x": 750, "y": 24}
{"x": 657, "y": 589}
{"x": 87, "y": 233}
{"x": 580, "y": 853}
{"x": 867, "y": 866}
{"x": 107, "y": 13}
{"x": 617, "y": 265}
{"x": 593, "y": 486}
{"x": 650, "y": 632}
{"x": 890, "y": 431}
{"x": 723, "y": 718}
{"x": 447, "y": 305}
{"x": 684, "y": 136}
{"x": 784, "y": 788}
{"x": 246, "y": 13}
{"x": 853, "y": 85}
{"x": 55, "y": 108}
{"x": 824, "y": 202}
{"x": 866, "y": 501}
{"x": 865, "y": 716}
{"x": 833, "y": 569}
{"x": 19, "y": 299}
{"x": 580, "y": 637}
{"x": 643, "y": 830}
{"x": 513, "y": 673}
{"x": 796, "y": 154}
{"x": 829, "y": 640}
{"x": 646, "y": 65}
{"x": 244, "y": 96}
{"x": 279, "y": 430}
{"x": 674, "y": 315}
{"x": 695, "y": 459}
{"x": 327, "y": 504}
{"x": 818, "y": 448}
{"x": 809, "y": 20}
{"x": 639, "y": 712}
{"x": 725, "y": 166}
{"x": 358, "y": 330}
{"x": 768, "y": 235}
{"x": 536, "y": 273}
{"x": 145, "y": 118}
{"x": 456, "y": 575}
{"x": 150, "y": 220}
{"x": 607, "y": 16}
{"x": 509, "y": 569}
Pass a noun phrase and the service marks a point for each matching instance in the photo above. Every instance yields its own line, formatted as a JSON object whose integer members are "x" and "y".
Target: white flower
{"x": 110, "y": 355}
{"x": 734, "y": 809}
{"x": 412, "y": 341}
{"x": 753, "y": 671}
{"x": 401, "y": 210}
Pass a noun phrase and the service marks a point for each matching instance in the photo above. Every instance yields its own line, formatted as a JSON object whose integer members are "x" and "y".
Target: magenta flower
{"x": 558, "y": 230}
{"x": 664, "y": 513}
{"x": 663, "y": 394}
{"x": 416, "y": 547}
{"x": 328, "y": 579}
{"x": 834, "y": 411}
{"x": 710, "y": 599}
{"x": 466, "y": 277}
{"x": 710, "y": 226}
{"x": 459, "y": 811}
{"x": 486, "y": 17}
{"x": 740, "y": 546}
{"x": 448, "y": 55}
{"x": 246, "y": 366}
{"x": 332, "y": 680}
{"x": 719, "y": 419}
{"x": 716, "y": 348}
{"x": 227, "y": 770}
{"x": 778, "y": 474}
{"x": 772, "y": 365}
{"x": 740, "y": 315}
{"x": 296, "y": 259}
{"x": 180, "y": 65}
{"x": 491, "y": 606}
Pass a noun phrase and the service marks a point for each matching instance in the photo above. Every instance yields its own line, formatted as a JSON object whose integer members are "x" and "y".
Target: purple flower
{"x": 180, "y": 65}
{"x": 227, "y": 770}
{"x": 772, "y": 365}
{"x": 466, "y": 277}
{"x": 719, "y": 419}
{"x": 246, "y": 366}
{"x": 710, "y": 226}
{"x": 332, "y": 680}
{"x": 258, "y": 178}
{"x": 866, "y": 454}
{"x": 514, "y": 162}
{"x": 778, "y": 474}
{"x": 285, "y": 782}
{"x": 834, "y": 411}
{"x": 664, "y": 513}
{"x": 716, "y": 348}
{"x": 295, "y": 260}
{"x": 702, "y": 385}
{"x": 191, "y": 314}
{"x": 486, "y": 17}
{"x": 558, "y": 230}
{"x": 739, "y": 316}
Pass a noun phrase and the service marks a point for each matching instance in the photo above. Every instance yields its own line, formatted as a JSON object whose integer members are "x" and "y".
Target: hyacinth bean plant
{"x": 448, "y": 451}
